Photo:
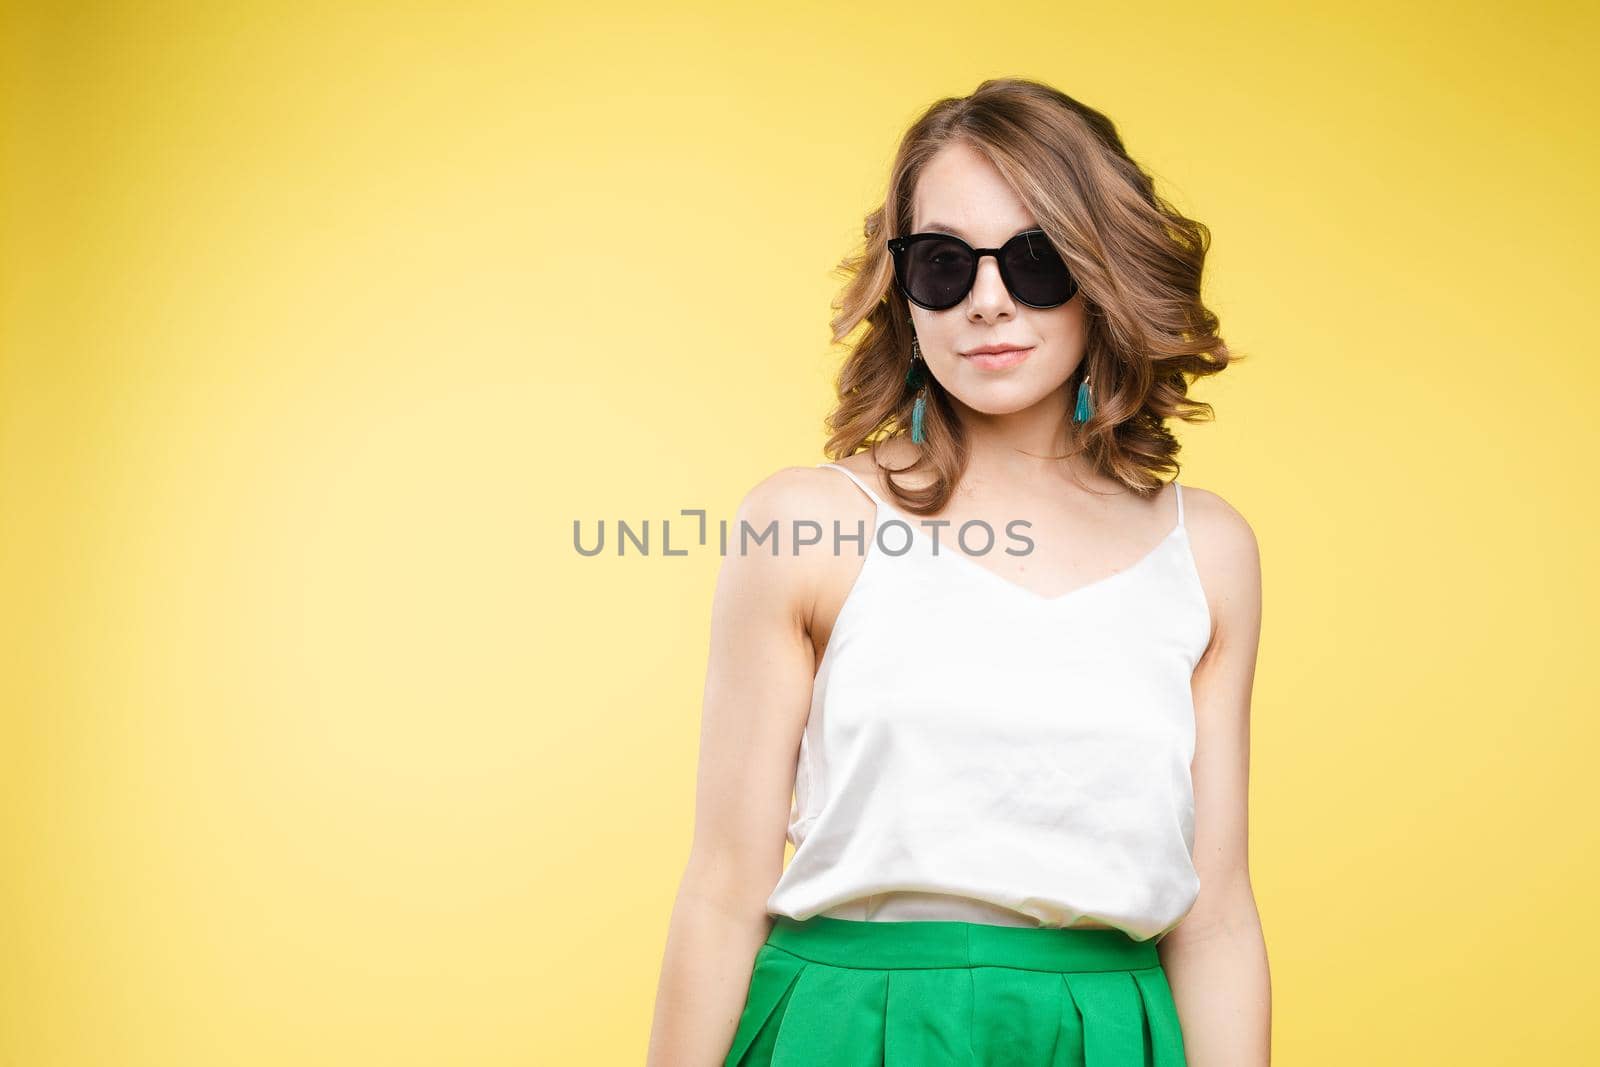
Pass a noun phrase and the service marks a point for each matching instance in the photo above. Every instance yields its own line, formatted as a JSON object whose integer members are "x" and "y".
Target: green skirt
{"x": 829, "y": 992}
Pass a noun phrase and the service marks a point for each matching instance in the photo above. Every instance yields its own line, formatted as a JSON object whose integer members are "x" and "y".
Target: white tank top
{"x": 979, "y": 752}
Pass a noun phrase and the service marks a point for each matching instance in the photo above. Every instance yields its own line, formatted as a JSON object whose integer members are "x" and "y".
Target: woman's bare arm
{"x": 757, "y": 697}
{"x": 1216, "y": 959}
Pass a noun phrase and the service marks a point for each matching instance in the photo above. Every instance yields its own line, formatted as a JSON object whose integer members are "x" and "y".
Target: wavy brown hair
{"x": 1136, "y": 258}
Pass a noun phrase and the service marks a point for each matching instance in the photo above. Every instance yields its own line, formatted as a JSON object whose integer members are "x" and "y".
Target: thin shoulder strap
{"x": 863, "y": 486}
{"x": 1179, "y": 490}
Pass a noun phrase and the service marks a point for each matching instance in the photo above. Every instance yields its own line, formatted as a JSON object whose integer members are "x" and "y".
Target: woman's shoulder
{"x": 799, "y": 493}
{"x": 786, "y": 514}
{"x": 1215, "y": 520}
{"x": 778, "y": 551}
{"x": 1226, "y": 554}
{"x": 819, "y": 493}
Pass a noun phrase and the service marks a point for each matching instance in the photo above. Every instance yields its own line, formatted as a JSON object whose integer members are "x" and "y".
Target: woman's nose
{"x": 988, "y": 288}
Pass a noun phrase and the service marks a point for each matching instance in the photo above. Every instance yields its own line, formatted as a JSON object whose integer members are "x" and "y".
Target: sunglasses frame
{"x": 899, "y": 246}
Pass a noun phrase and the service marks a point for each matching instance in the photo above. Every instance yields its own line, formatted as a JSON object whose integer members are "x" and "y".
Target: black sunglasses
{"x": 937, "y": 270}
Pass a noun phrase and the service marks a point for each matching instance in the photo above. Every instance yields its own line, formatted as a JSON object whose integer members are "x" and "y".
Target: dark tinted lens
{"x": 1039, "y": 275}
{"x": 936, "y": 271}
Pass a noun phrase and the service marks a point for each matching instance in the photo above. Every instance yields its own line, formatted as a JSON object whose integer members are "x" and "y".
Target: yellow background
{"x": 320, "y": 327}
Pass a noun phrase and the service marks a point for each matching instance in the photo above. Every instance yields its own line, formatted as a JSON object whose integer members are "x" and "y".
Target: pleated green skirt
{"x": 829, "y": 992}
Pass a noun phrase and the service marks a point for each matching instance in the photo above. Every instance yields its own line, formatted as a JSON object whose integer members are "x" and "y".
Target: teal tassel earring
{"x": 1085, "y": 407}
{"x": 917, "y": 378}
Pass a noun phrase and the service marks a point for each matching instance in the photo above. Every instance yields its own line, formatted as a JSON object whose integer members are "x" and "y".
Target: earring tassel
{"x": 1084, "y": 409}
{"x": 917, "y": 409}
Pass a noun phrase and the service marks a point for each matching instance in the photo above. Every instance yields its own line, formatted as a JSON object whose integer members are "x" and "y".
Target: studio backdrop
{"x": 322, "y": 325}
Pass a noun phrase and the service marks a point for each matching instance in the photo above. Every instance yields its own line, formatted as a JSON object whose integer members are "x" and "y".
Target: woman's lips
{"x": 999, "y": 360}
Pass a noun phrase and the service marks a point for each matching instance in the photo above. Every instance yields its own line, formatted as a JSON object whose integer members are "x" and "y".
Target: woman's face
{"x": 961, "y": 193}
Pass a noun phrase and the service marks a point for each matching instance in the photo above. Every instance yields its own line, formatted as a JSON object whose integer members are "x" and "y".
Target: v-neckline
{"x": 946, "y": 552}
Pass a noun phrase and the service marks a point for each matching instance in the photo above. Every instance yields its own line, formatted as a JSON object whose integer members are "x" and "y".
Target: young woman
{"x": 1009, "y": 686}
